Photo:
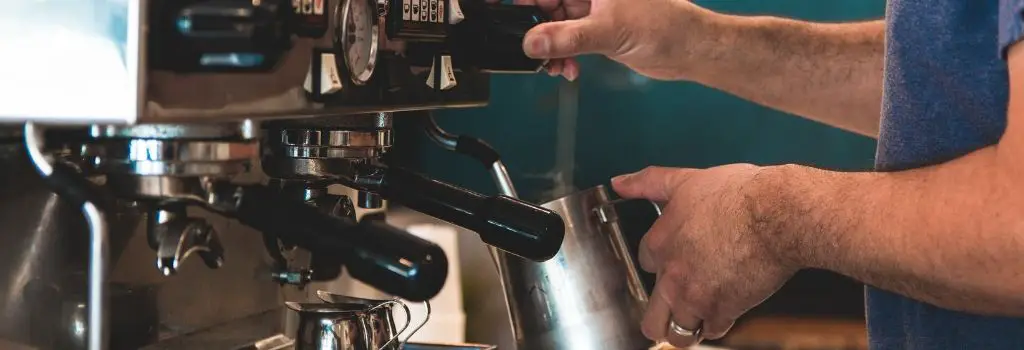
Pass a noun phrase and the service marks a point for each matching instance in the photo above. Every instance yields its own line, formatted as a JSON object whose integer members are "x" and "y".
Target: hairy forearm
{"x": 951, "y": 235}
{"x": 831, "y": 73}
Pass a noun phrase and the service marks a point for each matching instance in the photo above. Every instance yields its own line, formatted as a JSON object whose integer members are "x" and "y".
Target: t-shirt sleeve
{"x": 1011, "y": 24}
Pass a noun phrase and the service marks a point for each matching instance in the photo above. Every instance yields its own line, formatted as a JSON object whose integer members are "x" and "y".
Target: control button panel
{"x": 310, "y": 17}
{"x": 420, "y": 20}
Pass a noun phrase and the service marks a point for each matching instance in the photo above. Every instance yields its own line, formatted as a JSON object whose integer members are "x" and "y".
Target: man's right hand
{"x": 661, "y": 39}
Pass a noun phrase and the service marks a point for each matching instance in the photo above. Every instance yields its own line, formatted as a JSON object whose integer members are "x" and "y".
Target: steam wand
{"x": 72, "y": 186}
{"x": 475, "y": 148}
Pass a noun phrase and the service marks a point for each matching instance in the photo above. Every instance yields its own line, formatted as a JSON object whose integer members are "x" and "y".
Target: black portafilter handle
{"x": 382, "y": 256}
{"x": 514, "y": 226}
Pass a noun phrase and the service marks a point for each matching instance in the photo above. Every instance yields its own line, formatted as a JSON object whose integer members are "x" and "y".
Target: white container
{"x": 447, "y": 322}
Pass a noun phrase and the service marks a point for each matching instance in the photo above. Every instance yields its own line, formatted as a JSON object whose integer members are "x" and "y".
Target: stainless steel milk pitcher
{"x": 589, "y": 296}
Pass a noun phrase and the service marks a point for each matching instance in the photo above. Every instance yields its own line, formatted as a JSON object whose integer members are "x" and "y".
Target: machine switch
{"x": 330, "y": 80}
{"x": 447, "y": 74}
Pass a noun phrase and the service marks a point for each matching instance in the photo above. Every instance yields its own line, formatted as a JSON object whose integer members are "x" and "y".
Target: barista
{"x": 937, "y": 233}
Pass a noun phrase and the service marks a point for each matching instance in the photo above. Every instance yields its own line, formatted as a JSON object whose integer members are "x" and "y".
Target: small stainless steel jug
{"x": 382, "y": 319}
{"x": 589, "y": 296}
{"x": 346, "y": 323}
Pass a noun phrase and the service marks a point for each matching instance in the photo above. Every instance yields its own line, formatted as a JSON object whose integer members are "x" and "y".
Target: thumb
{"x": 653, "y": 183}
{"x": 564, "y": 39}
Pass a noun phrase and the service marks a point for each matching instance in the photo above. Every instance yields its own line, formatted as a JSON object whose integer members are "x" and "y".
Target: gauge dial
{"x": 357, "y": 35}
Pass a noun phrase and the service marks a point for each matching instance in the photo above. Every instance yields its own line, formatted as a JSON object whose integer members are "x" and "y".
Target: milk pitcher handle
{"x": 606, "y": 212}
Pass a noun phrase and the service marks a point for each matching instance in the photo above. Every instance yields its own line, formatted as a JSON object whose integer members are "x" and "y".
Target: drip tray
{"x": 281, "y": 342}
{"x": 415, "y": 346}
{"x": 263, "y": 332}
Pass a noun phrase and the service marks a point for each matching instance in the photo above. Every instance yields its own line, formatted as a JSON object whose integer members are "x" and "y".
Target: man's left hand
{"x": 714, "y": 257}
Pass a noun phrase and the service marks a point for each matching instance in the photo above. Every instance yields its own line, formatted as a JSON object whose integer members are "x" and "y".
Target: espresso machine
{"x": 167, "y": 164}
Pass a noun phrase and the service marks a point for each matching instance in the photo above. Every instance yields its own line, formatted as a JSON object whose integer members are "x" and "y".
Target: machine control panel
{"x": 424, "y": 20}
{"x": 311, "y": 17}
{"x": 341, "y": 56}
{"x": 215, "y": 61}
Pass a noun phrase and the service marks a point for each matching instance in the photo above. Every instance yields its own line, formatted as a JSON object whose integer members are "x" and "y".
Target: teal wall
{"x": 625, "y": 122}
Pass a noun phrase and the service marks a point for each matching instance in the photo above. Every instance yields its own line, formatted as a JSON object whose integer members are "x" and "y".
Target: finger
{"x": 717, "y": 328}
{"x": 525, "y": 2}
{"x": 653, "y": 183}
{"x": 547, "y": 5}
{"x": 646, "y": 255}
{"x": 654, "y": 324}
{"x": 693, "y": 327}
{"x": 681, "y": 316}
{"x": 571, "y": 69}
{"x": 652, "y": 245}
{"x": 558, "y": 14}
{"x": 555, "y": 67}
{"x": 565, "y": 39}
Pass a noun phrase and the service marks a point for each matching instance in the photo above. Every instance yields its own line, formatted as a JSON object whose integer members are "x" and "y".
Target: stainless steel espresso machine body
{"x": 222, "y": 124}
{"x": 161, "y": 61}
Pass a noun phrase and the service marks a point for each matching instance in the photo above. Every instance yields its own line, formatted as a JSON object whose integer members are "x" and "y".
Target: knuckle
{"x": 651, "y": 170}
{"x": 677, "y": 275}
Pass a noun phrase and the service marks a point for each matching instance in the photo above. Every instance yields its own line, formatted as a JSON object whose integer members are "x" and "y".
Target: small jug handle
{"x": 426, "y": 318}
{"x": 408, "y": 320}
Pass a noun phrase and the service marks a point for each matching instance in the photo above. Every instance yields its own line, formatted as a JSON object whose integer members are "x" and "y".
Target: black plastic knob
{"x": 219, "y": 35}
{"x": 514, "y": 226}
{"x": 491, "y": 37}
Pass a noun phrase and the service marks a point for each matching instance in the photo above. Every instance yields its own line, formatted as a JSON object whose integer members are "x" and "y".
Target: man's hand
{"x": 831, "y": 73}
{"x": 713, "y": 258}
{"x": 653, "y": 37}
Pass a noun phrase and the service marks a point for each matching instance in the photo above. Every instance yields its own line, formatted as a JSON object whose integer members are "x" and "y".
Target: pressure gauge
{"x": 357, "y": 35}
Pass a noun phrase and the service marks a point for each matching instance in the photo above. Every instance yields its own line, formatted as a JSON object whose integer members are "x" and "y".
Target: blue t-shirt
{"x": 946, "y": 90}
